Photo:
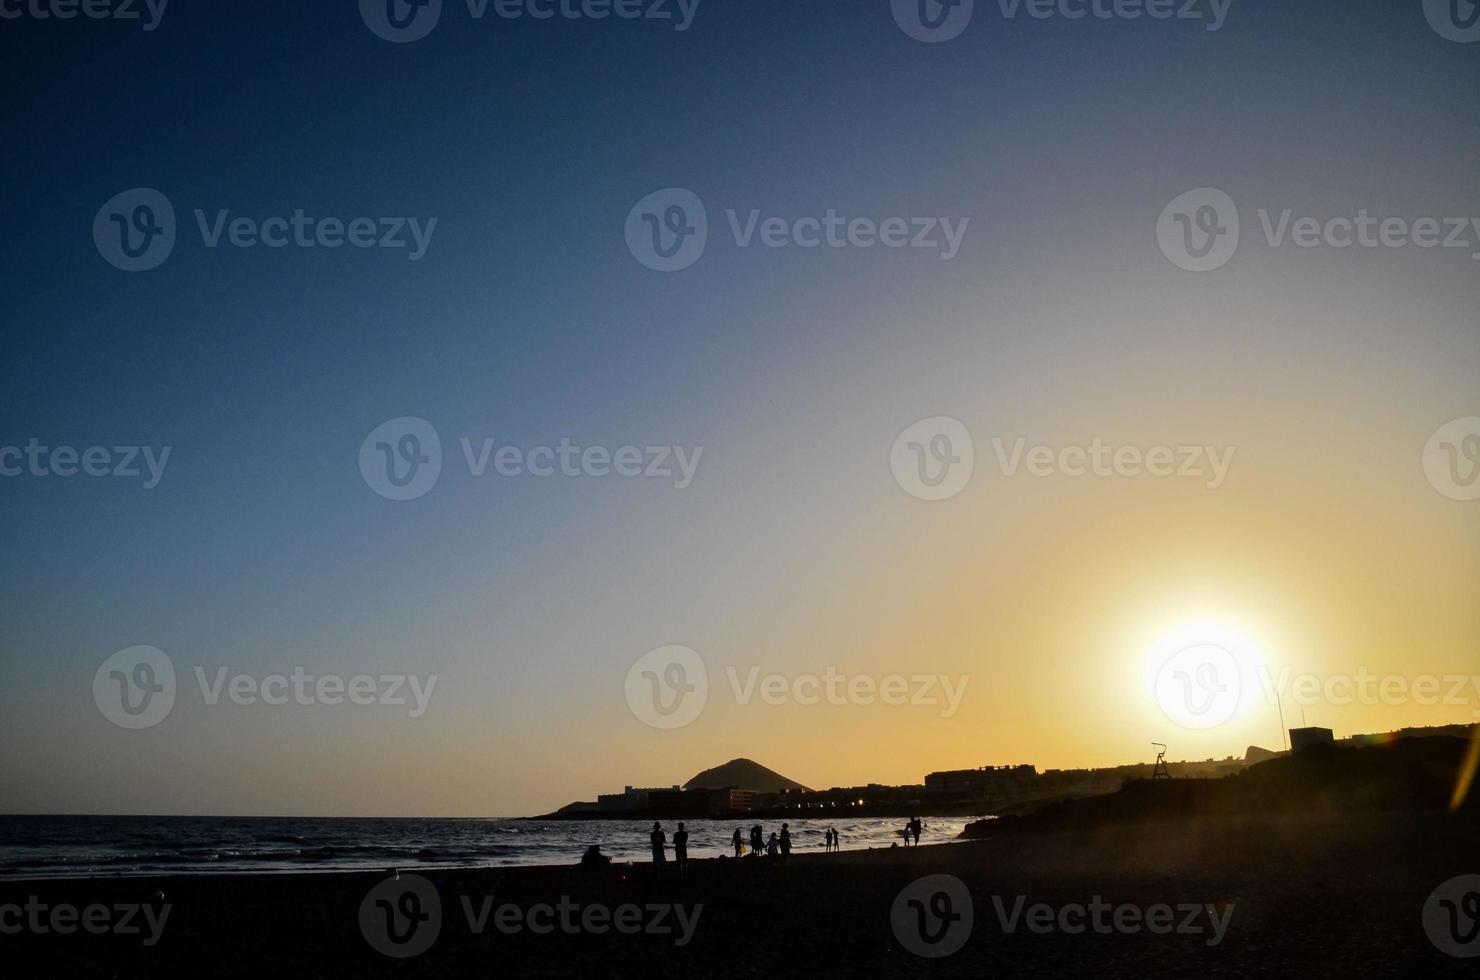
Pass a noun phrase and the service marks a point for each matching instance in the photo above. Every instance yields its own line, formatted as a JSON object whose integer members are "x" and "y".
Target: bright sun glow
{"x": 1203, "y": 674}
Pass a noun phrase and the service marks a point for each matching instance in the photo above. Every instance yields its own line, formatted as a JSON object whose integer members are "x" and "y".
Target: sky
{"x": 1331, "y": 546}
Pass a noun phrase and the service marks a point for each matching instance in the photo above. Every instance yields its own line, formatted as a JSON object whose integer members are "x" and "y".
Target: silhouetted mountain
{"x": 743, "y": 774}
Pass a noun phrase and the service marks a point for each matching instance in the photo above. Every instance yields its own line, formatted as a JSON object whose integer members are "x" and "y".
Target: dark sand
{"x": 1313, "y": 896}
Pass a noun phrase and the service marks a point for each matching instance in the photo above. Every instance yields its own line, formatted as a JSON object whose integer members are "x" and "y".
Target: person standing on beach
{"x": 658, "y": 839}
{"x": 681, "y": 848}
{"x": 785, "y": 842}
{"x": 736, "y": 841}
{"x": 915, "y": 829}
{"x": 772, "y": 846}
{"x": 757, "y": 842}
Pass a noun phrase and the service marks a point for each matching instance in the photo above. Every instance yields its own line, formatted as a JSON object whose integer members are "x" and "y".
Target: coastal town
{"x": 742, "y": 786}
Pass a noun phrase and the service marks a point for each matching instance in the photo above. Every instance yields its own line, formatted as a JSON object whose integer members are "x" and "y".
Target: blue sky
{"x": 529, "y": 321}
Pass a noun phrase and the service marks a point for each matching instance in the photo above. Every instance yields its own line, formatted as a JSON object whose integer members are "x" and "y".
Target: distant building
{"x": 1303, "y": 739}
{"x": 634, "y": 799}
{"x": 986, "y": 783}
{"x": 730, "y": 800}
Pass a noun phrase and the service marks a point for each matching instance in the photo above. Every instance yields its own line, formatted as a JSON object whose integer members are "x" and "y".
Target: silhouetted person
{"x": 594, "y": 860}
{"x": 739, "y": 846}
{"x": 773, "y": 846}
{"x": 681, "y": 847}
{"x": 785, "y": 842}
{"x": 659, "y": 839}
{"x": 915, "y": 829}
{"x": 757, "y": 841}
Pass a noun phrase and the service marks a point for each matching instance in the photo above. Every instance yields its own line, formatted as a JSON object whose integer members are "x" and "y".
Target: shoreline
{"x": 1330, "y": 893}
{"x": 574, "y": 862}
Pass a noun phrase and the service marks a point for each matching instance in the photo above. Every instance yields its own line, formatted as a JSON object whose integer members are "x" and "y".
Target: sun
{"x": 1202, "y": 674}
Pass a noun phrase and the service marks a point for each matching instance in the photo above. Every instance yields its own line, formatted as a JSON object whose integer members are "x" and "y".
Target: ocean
{"x": 85, "y": 846}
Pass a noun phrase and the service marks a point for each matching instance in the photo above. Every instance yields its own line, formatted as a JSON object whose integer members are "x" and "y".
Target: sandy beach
{"x": 1330, "y": 895}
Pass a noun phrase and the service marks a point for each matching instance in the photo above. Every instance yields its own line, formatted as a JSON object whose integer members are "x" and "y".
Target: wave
{"x": 83, "y": 846}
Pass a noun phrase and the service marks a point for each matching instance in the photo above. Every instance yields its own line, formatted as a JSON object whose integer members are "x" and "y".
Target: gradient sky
{"x": 528, "y": 321}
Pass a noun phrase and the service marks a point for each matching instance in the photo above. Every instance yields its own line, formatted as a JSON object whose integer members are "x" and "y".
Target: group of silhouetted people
{"x": 680, "y": 845}
{"x": 778, "y": 845}
{"x": 911, "y": 829}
